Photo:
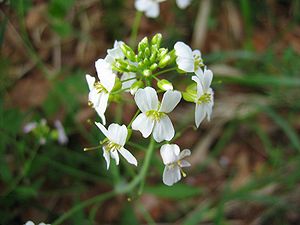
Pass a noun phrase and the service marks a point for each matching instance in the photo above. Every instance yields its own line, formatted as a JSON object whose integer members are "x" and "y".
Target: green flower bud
{"x": 189, "y": 97}
{"x": 164, "y": 85}
{"x": 128, "y": 52}
{"x": 153, "y": 66}
{"x": 146, "y": 62}
{"x": 135, "y": 86}
{"x": 192, "y": 88}
{"x": 156, "y": 40}
{"x": 118, "y": 85}
{"x": 143, "y": 44}
{"x": 131, "y": 68}
{"x": 147, "y": 73}
{"x": 162, "y": 52}
{"x": 164, "y": 61}
{"x": 147, "y": 52}
{"x": 153, "y": 55}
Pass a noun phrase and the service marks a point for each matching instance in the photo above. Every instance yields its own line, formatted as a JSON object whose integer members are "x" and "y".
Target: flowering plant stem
{"x": 122, "y": 190}
{"x": 135, "y": 27}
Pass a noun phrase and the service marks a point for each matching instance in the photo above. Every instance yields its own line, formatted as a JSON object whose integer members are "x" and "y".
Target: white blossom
{"x": 114, "y": 143}
{"x": 150, "y": 7}
{"x": 115, "y": 52}
{"x": 32, "y": 223}
{"x": 182, "y": 4}
{"x": 154, "y": 115}
{"x": 205, "y": 96}
{"x": 174, "y": 162}
{"x": 188, "y": 60}
{"x": 62, "y": 137}
{"x": 100, "y": 90}
{"x": 128, "y": 79}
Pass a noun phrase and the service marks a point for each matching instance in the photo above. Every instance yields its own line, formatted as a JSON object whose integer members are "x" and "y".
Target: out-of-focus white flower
{"x": 150, "y": 7}
{"x": 114, "y": 143}
{"x": 182, "y": 4}
{"x": 128, "y": 79}
{"x": 205, "y": 96}
{"x": 29, "y": 127}
{"x": 154, "y": 115}
{"x": 62, "y": 137}
{"x": 32, "y": 223}
{"x": 188, "y": 60}
{"x": 100, "y": 90}
{"x": 174, "y": 162}
{"x": 115, "y": 52}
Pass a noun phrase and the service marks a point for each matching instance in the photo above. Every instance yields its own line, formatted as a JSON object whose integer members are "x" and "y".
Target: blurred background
{"x": 245, "y": 162}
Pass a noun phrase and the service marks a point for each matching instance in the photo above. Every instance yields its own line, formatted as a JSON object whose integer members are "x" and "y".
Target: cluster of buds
{"x": 123, "y": 70}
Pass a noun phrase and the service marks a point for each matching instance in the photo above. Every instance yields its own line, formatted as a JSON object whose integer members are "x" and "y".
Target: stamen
{"x": 205, "y": 98}
{"x": 92, "y": 148}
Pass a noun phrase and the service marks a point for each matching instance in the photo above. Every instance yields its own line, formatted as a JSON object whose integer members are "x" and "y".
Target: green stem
{"x": 102, "y": 197}
{"x": 97, "y": 199}
{"x": 135, "y": 28}
{"x": 135, "y": 115}
{"x": 164, "y": 71}
{"x": 133, "y": 78}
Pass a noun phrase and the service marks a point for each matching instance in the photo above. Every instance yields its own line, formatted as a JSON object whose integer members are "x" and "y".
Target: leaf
{"x": 178, "y": 191}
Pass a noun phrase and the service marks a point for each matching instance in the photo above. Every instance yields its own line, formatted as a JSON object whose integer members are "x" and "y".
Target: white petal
{"x": 62, "y": 137}
{"x": 184, "y": 163}
{"x": 196, "y": 53}
{"x": 182, "y": 4}
{"x": 171, "y": 175}
{"x": 90, "y": 80}
{"x": 29, "y": 127}
{"x": 114, "y": 154}
{"x": 146, "y": 99}
{"x": 169, "y": 101}
{"x": 141, "y": 5}
{"x": 128, "y": 156}
{"x": 183, "y": 50}
{"x": 207, "y": 79}
{"x": 106, "y": 157}
{"x": 153, "y": 10}
{"x": 184, "y": 153}
{"x": 163, "y": 130}
{"x": 199, "y": 114}
{"x": 169, "y": 153}
{"x": 126, "y": 76}
{"x": 102, "y": 128}
{"x": 105, "y": 74}
{"x": 116, "y": 51}
{"x": 29, "y": 223}
{"x": 101, "y": 105}
{"x": 185, "y": 64}
{"x": 117, "y": 133}
{"x": 143, "y": 124}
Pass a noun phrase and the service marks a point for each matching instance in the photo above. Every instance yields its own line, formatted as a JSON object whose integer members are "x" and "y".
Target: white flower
{"x": 115, "y": 52}
{"x": 130, "y": 80}
{"x": 183, "y": 3}
{"x": 205, "y": 96}
{"x": 114, "y": 143}
{"x": 188, "y": 60}
{"x": 99, "y": 90}
{"x": 154, "y": 115}
{"x": 32, "y": 223}
{"x": 62, "y": 137}
{"x": 150, "y": 7}
{"x": 173, "y": 159}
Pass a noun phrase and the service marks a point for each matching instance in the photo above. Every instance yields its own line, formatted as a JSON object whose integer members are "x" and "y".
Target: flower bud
{"x": 156, "y": 40}
{"x": 143, "y": 44}
{"x": 162, "y": 52}
{"x": 153, "y": 66}
{"x": 147, "y": 73}
{"x": 153, "y": 55}
{"x": 164, "y": 85}
{"x": 147, "y": 52}
{"x": 164, "y": 61}
{"x": 135, "y": 86}
{"x": 128, "y": 52}
{"x": 146, "y": 62}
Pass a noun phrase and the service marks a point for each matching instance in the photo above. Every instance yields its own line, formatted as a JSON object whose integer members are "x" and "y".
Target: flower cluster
{"x": 43, "y": 132}
{"x": 151, "y": 7}
{"x": 124, "y": 70}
